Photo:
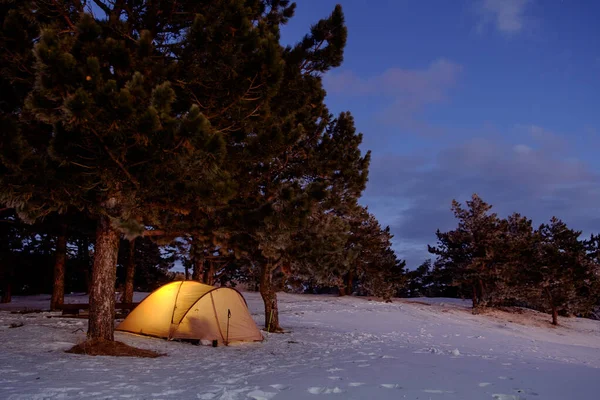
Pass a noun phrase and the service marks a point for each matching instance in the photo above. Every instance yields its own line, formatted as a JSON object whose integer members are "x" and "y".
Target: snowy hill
{"x": 345, "y": 348}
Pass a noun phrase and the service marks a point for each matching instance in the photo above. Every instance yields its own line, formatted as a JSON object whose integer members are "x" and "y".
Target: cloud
{"x": 406, "y": 91}
{"x": 513, "y": 177}
{"x": 550, "y": 141}
{"x": 507, "y": 16}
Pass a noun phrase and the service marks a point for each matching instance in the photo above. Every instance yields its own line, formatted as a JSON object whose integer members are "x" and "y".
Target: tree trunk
{"x": 187, "y": 272}
{"x": 6, "y": 289}
{"x": 83, "y": 254}
{"x": 102, "y": 295}
{"x": 269, "y": 297}
{"x": 474, "y": 296}
{"x": 552, "y": 307}
{"x": 198, "y": 269}
{"x": 209, "y": 273}
{"x": 88, "y": 265}
{"x": 58, "y": 289}
{"x": 129, "y": 274}
{"x": 350, "y": 283}
{"x": 554, "y": 316}
{"x": 481, "y": 291}
{"x": 341, "y": 291}
{"x": 197, "y": 262}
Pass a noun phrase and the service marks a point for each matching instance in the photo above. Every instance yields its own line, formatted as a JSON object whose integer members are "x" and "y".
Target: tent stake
{"x": 228, "y": 318}
{"x": 271, "y": 317}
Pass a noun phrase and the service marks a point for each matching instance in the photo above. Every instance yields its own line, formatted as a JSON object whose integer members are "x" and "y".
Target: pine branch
{"x": 103, "y": 6}
{"x": 241, "y": 98}
{"x": 112, "y": 156}
{"x": 316, "y": 48}
{"x": 65, "y": 16}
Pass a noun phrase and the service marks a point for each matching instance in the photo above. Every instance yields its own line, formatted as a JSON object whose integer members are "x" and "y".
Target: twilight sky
{"x": 497, "y": 97}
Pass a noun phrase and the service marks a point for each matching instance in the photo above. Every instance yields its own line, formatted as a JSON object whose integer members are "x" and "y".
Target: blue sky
{"x": 497, "y": 97}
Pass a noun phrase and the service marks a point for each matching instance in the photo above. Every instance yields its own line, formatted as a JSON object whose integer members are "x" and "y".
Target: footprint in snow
{"x": 280, "y": 386}
{"x": 484, "y": 384}
{"x": 260, "y": 395}
{"x": 506, "y": 397}
{"x": 224, "y": 393}
{"x": 391, "y": 386}
{"x": 334, "y": 369}
{"x": 168, "y": 392}
{"x": 363, "y": 365}
{"x": 322, "y": 390}
{"x": 335, "y": 378}
{"x": 356, "y": 384}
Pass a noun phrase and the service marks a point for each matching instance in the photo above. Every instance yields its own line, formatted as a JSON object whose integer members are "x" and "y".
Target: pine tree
{"x": 303, "y": 159}
{"x": 319, "y": 252}
{"x": 468, "y": 252}
{"x": 419, "y": 280}
{"x": 593, "y": 252}
{"x": 565, "y": 274}
{"x": 151, "y": 261}
{"x": 11, "y": 244}
{"x": 374, "y": 268}
{"x": 514, "y": 256}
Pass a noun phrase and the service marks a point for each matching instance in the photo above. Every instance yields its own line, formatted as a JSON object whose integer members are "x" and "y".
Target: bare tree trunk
{"x": 552, "y": 307}
{"x": 341, "y": 291}
{"x": 554, "y": 316}
{"x": 209, "y": 273}
{"x": 83, "y": 254}
{"x": 197, "y": 262}
{"x": 129, "y": 274}
{"x": 269, "y": 297}
{"x": 7, "y": 287}
{"x": 474, "y": 296}
{"x": 102, "y": 295}
{"x": 481, "y": 291}
{"x": 187, "y": 272}
{"x": 350, "y": 283}
{"x": 58, "y": 289}
{"x": 198, "y": 269}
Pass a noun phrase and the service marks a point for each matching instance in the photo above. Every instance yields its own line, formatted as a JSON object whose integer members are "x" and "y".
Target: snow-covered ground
{"x": 344, "y": 348}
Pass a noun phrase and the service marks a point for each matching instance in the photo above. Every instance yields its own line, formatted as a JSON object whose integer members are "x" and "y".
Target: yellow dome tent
{"x": 192, "y": 310}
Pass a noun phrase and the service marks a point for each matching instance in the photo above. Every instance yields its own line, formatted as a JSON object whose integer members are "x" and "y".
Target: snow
{"x": 346, "y": 348}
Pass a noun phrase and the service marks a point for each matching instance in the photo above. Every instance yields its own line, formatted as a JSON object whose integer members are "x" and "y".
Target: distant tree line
{"x": 47, "y": 257}
{"x": 137, "y": 132}
{"x": 506, "y": 261}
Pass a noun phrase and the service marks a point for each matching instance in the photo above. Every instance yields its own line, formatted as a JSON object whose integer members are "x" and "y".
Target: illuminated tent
{"x": 192, "y": 310}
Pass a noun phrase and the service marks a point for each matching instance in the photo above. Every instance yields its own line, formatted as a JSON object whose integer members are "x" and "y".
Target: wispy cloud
{"x": 406, "y": 91}
{"x": 508, "y": 16}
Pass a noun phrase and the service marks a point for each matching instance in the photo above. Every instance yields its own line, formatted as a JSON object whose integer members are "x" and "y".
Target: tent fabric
{"x": 192, "y": 310}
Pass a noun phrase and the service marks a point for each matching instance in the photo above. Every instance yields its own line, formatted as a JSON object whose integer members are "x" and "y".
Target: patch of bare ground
{"x": 100, "y": 347}
{"x": 524, "y": 316}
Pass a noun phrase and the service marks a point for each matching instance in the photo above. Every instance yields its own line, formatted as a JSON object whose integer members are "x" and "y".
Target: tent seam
{"x": 212, "y": 299}
{"x": 173, "y": 314}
